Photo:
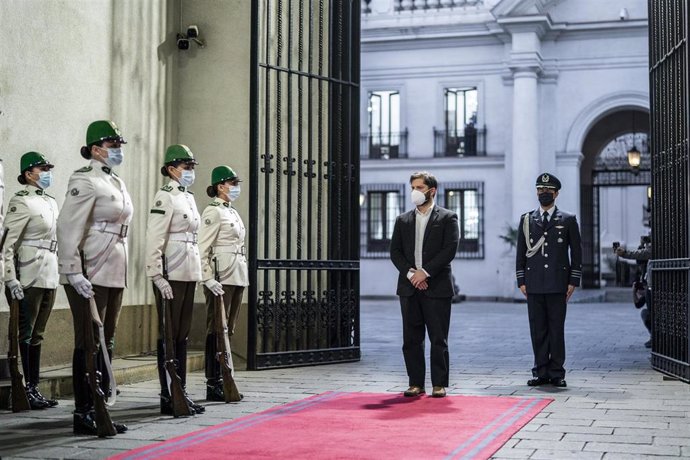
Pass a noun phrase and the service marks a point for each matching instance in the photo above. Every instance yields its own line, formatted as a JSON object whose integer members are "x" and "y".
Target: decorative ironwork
{"x": 670, "y": 136}
{"x": 304, "y": 247}
{"x": 470, "y": 142}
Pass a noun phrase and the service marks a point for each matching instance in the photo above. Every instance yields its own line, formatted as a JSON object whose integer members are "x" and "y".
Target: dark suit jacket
{"x": 550, "y": 271}
{"x": 438, "y": 250}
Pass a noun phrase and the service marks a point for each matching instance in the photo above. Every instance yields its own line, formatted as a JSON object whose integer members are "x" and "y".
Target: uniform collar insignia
{"x": 181, "y": 188}
{"x": 106, "y": 170}
{"x": 226, "y": 204}
{"x": 39, "y": 191}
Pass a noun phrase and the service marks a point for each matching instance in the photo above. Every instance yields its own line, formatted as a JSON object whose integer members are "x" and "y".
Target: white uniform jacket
{"x": 95, "y": 219}
{"x": 222, "y": 237}
{"x": 31, "y": 225}
{"x": 172, "y": 230}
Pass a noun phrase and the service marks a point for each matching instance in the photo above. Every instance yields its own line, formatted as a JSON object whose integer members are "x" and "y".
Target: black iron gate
{"x": 670, "y": 134}
{"x": 610, "y": 172}
{"x": 304, "y": 241}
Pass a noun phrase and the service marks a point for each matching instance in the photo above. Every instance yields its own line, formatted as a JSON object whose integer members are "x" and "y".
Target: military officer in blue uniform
{"x": 548, "y": 269}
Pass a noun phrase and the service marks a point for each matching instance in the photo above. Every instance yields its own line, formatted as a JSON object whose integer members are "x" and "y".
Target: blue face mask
{"x": 234, "y": 192}
{"x": 45, "y": 179}
{"x": 115, "y": 157}
{"x": 186, "y": 178}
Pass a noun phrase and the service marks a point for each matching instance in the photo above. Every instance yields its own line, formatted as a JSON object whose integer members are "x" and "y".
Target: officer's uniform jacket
{"x": 2, "y": 204}
{"x": 95, "y": 219}
{"x": 31, "y": 236}
{"x": 558, "y": 262}
{"x": 172, "y": 230}
{"x": 222, "y": 238}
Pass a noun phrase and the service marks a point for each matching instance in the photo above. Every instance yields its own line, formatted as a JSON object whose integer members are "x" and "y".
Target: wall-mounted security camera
{"x": 192, "y": 36}
{"x": 182, "y": 42}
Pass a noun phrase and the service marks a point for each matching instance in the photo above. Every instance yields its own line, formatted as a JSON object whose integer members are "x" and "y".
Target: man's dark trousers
{"x": 546, "y": 324}
{"x": 421, "y": 314}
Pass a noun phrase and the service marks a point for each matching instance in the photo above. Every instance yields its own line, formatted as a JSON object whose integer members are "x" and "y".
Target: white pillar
{"x": 525, "y": 145}
{"x": 568, "y": 171}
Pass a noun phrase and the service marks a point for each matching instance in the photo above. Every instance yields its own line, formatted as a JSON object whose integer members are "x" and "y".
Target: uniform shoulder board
{"x": 214, "y": 203}
{"x": 167, "y": 188}
{"x": 22, "y": 193}
{"x": 84, "y": 169}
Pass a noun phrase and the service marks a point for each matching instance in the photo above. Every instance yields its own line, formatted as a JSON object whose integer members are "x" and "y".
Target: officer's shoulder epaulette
{"x": 167, "y": 188}
{"x": 214, "y": 203}
{"x": 22, "y": 193}
{"x": 84, "y": 169}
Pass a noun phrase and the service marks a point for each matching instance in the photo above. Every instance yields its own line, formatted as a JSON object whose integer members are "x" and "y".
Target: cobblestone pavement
{"x": 615, "y": 406}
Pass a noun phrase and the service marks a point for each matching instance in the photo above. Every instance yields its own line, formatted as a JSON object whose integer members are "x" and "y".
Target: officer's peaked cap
{"x": 222, "y": 174}
{"x": 179, "y": 152}
{"x": 103, "y": 130}
{"x": 31, "y": 159}
{"x": 547, "y": 180}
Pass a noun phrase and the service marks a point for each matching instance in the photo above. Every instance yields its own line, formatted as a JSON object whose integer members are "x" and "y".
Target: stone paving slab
{"x": 615, "y": 405}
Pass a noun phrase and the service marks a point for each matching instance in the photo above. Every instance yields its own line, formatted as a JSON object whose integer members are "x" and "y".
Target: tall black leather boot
{"x": 33, "y": 378}
{"x": 214, "y": 383}
{"x": 181, "y": 355}
{"x": 84, "y": 421}
{"x": 34, "y": 402}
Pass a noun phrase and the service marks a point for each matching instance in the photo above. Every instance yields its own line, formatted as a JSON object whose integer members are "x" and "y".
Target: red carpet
{"x": 359, "y": 426}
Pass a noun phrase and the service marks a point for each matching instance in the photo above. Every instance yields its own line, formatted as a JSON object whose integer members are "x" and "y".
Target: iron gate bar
{"x": 304, "y": 311}
{"x": 670, "y": 123}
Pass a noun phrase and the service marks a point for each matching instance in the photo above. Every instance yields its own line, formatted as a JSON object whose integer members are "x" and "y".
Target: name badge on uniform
{"x": 560, "y": 226}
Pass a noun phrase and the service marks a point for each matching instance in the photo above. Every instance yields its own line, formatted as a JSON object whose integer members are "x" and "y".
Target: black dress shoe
{"x": 85, "y": 424}
{"x": 537, "y": 381}
{"x": 214, "y": 392}
{"x": 167, "y": 407}
{"x": 197, "y": 408}
{"x": 35, "y": 402}
{"x": 559, "y": 382}
{"x": 120, "y": 427}
{"x": 34, "y": 390}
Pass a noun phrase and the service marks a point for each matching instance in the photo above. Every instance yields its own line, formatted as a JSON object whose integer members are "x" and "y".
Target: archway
{"x": 613, "y": 195}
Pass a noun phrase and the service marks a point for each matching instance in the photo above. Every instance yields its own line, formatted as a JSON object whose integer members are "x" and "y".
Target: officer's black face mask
{"x": 546, "y": 198}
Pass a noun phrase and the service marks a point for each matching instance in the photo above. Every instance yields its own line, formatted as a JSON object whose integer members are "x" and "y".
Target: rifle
{"x": 104, "y": 424}
{"x": 179, "y": 402}
{"x": 224, "y": 353}
{"x": 20, "y": 402}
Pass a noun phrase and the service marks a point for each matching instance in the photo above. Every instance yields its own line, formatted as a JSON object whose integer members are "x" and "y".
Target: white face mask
{"x": 186, "y": 178}
{"x": 115, "y": 156}
{"x": 234, "y": 192}
{"x": 418, "y": 198}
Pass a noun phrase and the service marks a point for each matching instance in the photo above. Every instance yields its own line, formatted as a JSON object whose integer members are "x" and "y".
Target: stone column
{"x": 568, "y": 171}
{"x": 525, "y": 145}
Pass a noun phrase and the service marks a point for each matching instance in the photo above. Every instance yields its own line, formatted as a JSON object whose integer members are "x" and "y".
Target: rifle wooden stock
{"x": 104, "y": 424}
{"x": 177, "y": 397}
{"x": 19, "y": 400}
{"x": 224, "y": 353}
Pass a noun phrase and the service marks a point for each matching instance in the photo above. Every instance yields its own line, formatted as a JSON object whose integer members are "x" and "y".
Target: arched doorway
{"x": 613, "y": 195}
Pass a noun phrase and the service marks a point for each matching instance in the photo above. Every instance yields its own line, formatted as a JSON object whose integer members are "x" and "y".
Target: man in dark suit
{"x": 548, "y": 269}
{"x": 423, "y": 244}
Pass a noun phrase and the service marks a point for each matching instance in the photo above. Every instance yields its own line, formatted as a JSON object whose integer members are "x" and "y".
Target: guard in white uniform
{"x": 30, "y": 260}
{"x": 171, "y": 239}
{"x": 93, "y": 225}
{"x": 221, "y": 243}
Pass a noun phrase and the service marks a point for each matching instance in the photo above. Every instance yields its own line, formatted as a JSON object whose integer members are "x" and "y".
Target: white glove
{"x": 81, "y": 285}
{"x": 163, "y": 286}
{"x": 214, "y": 286}
{"x": 15, "y": 288}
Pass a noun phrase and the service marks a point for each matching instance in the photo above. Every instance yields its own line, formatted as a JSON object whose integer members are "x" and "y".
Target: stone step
{"x": 56, "y": 382}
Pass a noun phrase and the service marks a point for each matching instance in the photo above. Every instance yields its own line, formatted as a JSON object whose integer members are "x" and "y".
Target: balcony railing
{"x": 411, "y": 5}
{"x": 383, "y": 145}
{"x": 467, "y": 143}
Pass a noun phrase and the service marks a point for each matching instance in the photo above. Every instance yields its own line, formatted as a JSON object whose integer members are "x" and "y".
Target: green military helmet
{"x": 222, "y": 174}
{"x": 179, "y": 152}
{"x": 103, "y": 130}
{"x": 31, "y": 159}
